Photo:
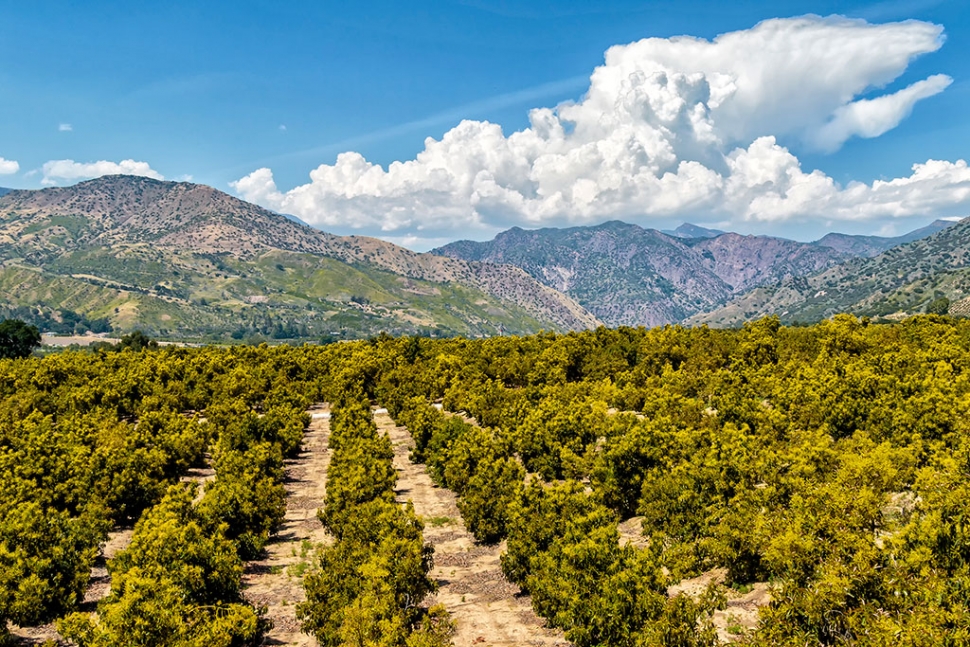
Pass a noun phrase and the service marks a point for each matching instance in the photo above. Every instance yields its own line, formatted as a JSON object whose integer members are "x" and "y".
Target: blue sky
{"x": 217, "y": 90}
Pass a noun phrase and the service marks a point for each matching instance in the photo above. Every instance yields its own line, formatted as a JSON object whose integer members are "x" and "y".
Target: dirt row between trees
{"x": 740, "y": 616}
{"x": 99, "y": 584}
{"x": 276, "y": 580}
{"x": 487, "y": 609}
{"x": 118, "y": 539}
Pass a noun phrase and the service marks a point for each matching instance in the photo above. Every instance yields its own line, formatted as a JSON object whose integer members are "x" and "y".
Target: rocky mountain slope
{"x": 628, "y": 275}
{"x": 870, "y": 246}
{"x": 901, "y": 281}
{"x": 185, "y": 257}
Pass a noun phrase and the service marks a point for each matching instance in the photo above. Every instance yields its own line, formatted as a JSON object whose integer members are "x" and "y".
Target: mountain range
{"x": 184, "y": 259}
{"x": 903, "y": 280}
{"x": 628, "y": 275}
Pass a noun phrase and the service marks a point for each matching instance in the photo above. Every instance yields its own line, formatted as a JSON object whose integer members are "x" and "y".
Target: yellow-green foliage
{"x": 365, "y": 588}
{"x": 831, "y": 461}
{"x": 92, "y": 439}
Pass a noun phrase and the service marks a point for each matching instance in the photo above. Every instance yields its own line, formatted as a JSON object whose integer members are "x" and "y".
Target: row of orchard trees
{"x": 367, "y": 587}
{"x": 563, "y": 545}
{"x": 89, "y": 441}
{"x": 831, "y": 461}
{"x": 179, "y": 581}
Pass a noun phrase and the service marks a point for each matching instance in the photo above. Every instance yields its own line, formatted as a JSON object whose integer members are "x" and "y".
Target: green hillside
{"x": 187, "y": 261}
{"x": 277, "y": 294}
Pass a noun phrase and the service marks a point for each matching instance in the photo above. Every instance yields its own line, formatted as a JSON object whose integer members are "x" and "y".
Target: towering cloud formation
{"x": 668, "y": 127}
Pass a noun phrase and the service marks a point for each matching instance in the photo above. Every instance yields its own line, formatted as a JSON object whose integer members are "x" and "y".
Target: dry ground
{"x": 276, "y": 580}
{"x": 741, "y": 614}
{"x": 487, "y": 609}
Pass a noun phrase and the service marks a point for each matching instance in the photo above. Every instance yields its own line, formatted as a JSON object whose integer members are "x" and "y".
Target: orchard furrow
{"x": 99, "y": 584}
{"x": 118, "y": 540}
{"x": 487, "y": 609}
{"x": 275, "y": 581}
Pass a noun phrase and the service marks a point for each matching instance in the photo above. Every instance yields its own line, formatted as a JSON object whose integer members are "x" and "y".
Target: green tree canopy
{"x": 17, "y": 339}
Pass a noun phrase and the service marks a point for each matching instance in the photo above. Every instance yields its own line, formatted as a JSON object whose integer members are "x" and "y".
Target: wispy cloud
{"x": 895, "y": 9}
{"x": 65, "y": 128}
{"x": 452, "y": 115}
{"x": 185, "y": 86}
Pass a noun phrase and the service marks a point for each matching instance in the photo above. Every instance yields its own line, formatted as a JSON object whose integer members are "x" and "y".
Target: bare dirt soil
{"x": 738, "y": 618}
{"x": 741, "y": 614}
{"x": 63, "y": 341}
{"x": 631, "y": 533}
{"x": 276, "y": 581}
{"x": 487, "y": 609}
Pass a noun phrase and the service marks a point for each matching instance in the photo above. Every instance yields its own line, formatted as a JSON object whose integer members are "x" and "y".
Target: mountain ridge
{"x": 901, "y": 281}
{"x": 869, "y": 246}
{"x": 66, "y": 229}
{"x": 629, "y": 275}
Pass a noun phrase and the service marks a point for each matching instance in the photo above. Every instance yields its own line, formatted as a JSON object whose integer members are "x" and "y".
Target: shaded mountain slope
{"x": 870, "y": 246}
{"x": 628, "y": 275}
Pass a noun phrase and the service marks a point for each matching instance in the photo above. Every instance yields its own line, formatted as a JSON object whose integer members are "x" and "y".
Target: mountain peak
{"x": 688, "y": 230}
{"x": 180, "y": 216}
{"x": 869, "y": 246}
{"x": 117, "y": 218}
{"x": 628, "y": 275}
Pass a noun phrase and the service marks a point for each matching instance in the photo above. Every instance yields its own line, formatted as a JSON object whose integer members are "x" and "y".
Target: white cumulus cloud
{"x": 8, "y": 167}
{"x": 669, "y": 127}
{"x": 56, "y": 171}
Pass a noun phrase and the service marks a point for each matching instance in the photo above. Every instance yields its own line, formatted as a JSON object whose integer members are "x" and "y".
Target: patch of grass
{"x": 437, "y": 522}
{"x": 298, "y": 569}
{"x": 734, "y": 626}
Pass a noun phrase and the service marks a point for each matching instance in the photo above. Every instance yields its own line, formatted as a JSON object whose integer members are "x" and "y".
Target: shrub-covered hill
{"x": 183, "y": 259}
{"x": 827, "y": 466}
